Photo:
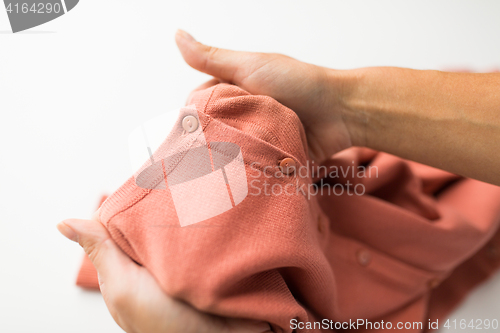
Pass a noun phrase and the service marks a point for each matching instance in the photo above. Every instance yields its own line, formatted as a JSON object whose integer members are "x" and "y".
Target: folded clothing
{"x": 375, "y": 237}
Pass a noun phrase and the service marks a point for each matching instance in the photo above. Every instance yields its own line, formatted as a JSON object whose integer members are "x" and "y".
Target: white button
{"x": 190, "y": 123}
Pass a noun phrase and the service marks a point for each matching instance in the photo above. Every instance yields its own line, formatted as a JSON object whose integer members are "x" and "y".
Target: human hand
{"x": 314, "y": 93}
{"x": 134, "y": 298}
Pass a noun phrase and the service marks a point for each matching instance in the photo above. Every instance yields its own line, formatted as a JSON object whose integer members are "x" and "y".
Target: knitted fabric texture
{"x": 408, "y": 249}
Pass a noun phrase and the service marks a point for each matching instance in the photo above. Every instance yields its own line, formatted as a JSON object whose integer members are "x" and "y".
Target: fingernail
{"x": 185, "y": 35}
{"x": 67, "y": 232}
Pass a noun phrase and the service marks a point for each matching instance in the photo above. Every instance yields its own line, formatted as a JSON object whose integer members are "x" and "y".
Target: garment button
{"x": 364, "y": 257}
{"x": 287, "y": 166}
{"x": 433, "y": 283}
{"x": 190, "y": 123}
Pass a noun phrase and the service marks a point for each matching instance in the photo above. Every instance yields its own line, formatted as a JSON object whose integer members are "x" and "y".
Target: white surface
{"x": 70, "y": 97}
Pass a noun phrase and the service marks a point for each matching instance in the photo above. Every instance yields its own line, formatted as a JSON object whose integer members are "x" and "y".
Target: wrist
{"x": 345, "y": 87}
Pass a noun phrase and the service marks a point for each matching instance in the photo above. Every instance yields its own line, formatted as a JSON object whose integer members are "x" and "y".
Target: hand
{"x": 134, "y": 298}
{"x": 314, "y": 93}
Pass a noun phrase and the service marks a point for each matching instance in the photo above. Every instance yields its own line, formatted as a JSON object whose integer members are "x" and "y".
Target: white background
{"x": 71, "y": 91}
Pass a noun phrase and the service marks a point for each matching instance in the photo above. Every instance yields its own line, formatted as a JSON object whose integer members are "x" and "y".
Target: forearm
{"x": 447, "y": 120}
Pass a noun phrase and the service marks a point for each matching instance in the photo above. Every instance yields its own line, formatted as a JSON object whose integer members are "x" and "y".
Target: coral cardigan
{"x": 404, "y": 242}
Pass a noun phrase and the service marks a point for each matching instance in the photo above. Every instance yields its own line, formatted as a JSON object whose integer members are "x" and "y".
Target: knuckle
{"x": 91, "y": 248}
{"x": 212, "y": 51}
{"x": 272, "y": 56}
{"x": 94, "y": 249}
{"x": 263, "y": 57}
{"x": 211, "y": 54}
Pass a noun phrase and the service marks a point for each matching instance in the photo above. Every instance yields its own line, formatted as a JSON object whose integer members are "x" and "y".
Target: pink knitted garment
{"x": 408, "y": 249}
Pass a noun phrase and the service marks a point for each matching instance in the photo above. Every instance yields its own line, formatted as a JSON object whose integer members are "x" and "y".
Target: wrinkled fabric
{"x": 408, "y": 249}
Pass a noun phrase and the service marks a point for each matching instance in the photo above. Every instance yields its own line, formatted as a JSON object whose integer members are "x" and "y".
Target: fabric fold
{"x": 369, "y": 236}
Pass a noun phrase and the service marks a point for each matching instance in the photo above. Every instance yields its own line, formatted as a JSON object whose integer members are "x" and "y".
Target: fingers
{"x": 111, "y": 262}
{"x": 217, "y": 62}
{"x": 135, "y": 300}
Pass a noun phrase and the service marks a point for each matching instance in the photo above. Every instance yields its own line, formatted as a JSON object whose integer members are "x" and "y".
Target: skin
{"x": 446, "y": 120}
{"x": 132, "y": 295}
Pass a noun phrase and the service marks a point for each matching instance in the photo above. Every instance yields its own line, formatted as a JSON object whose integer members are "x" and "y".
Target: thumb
{"x": 221, "y": 63}
{"x": 110, "y": 261}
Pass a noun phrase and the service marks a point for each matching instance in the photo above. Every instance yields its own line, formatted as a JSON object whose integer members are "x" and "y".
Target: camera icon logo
{"x": 26, "y": 14}
{"x": 205, "y": 179}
